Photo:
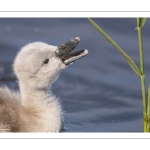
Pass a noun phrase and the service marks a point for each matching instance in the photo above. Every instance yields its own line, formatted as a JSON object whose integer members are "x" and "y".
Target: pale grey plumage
{"x": 33, "y": 109}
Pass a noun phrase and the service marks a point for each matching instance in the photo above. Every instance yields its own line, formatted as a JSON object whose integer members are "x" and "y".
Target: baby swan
{"x": 34, "y": 108}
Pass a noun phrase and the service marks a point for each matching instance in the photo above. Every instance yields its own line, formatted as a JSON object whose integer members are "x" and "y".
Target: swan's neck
{"x": 33, "y": 96}
{"x": 45, "y": 105}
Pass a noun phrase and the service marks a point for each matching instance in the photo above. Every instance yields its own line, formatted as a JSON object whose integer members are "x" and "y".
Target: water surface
{"x": 99, "y": 93}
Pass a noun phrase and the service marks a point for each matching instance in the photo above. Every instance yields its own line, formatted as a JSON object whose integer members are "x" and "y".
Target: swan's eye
{"x": 46, "y": 61}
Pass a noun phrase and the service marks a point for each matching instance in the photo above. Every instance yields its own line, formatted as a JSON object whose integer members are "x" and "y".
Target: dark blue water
{"x": 100, "y": 92}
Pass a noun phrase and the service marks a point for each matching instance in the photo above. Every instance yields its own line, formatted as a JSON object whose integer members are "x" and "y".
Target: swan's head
{"x": 40, "y": 64}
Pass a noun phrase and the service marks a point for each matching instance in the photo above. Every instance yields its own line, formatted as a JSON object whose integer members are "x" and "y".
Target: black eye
{"x": 46, "y": 61}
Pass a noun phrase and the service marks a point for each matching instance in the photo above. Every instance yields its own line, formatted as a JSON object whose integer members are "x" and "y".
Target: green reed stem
{"x": 144, "y": 98}
{"x": 140, "y": 72}
{"x": 148, "y": 111}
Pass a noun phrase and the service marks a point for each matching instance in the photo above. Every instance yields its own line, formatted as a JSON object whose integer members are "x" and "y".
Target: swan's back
{"x": 9, "y": 110}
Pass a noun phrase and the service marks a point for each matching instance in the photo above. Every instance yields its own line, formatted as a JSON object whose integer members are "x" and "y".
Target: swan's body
{"x": 37, "y": 117}
{"x": 33, "y": 109}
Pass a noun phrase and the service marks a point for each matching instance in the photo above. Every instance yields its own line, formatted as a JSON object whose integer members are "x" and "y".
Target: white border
{"x": 76, "y": 5}
{"x": 99, "y": 135}
{"x": 119, "y": 12}
{"x": 73, "y": 14}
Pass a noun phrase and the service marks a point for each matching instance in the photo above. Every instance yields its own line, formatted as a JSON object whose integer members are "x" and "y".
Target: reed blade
{"x": 127, "y": 57}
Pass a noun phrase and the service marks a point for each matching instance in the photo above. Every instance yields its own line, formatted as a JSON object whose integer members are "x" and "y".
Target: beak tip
{"x": 76, "y": 38}
{"x": 86, "y": 51}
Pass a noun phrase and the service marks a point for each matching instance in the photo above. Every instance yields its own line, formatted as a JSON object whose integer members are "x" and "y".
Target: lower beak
{"x": 64, "y": 51}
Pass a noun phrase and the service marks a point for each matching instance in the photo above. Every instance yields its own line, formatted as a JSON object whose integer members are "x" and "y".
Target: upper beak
{"x": 64, "y": 50}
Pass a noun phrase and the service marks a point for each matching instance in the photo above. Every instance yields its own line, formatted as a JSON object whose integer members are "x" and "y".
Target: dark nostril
{"x": 63, "y": 47}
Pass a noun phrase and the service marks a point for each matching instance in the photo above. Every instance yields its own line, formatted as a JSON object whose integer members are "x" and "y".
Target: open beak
{"x": 64, "y": 51}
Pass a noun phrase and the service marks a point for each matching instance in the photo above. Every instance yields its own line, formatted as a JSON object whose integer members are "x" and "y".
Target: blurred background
{"x": 100, "y": 92}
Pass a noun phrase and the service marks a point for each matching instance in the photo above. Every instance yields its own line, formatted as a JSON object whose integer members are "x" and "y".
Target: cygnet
{"x": 34, "y": 108}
